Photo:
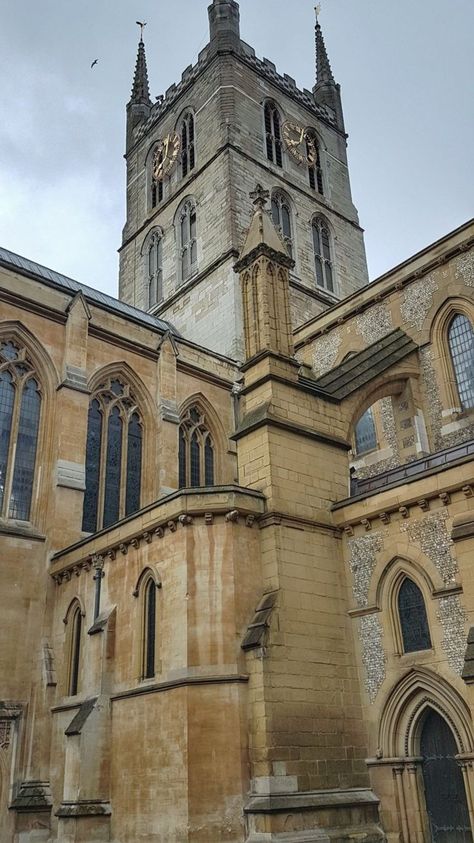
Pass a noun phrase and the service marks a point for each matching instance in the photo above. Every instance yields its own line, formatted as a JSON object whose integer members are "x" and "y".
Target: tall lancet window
{"x": 157, "y": 188}
{"x": 273, "y": 134}
{"x": 461, "y": 346}
{"x": 20, "y": 409}
{"x": 188, "y": 240}
{"x": 315, "y": 172}
{"x": 188, "y": 148}
{"x": 322, "y": 254}
{"x": 113, "y": 456}
{"x": 196, "y": 450}
{"x": 281, "y": 215}
{"x": 155, "y": 268}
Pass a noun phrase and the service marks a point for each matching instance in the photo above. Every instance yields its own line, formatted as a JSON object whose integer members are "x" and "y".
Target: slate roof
{"x": 24, "y": 266}
{"x": 359, "y": 369}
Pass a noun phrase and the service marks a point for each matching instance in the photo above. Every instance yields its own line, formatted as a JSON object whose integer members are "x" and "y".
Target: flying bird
{"x": 94, "y": 63}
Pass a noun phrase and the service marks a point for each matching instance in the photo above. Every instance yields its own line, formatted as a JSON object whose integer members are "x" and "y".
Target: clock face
{"x": 300, "y": 143}
{"x": 165, "y": 156}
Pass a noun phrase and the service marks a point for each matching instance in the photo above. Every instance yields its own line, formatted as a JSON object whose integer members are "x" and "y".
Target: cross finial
{"x": 142, "y": 25}
{"x": 259, "y": 196}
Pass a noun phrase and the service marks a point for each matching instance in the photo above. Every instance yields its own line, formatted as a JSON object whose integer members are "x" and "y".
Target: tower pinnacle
{"x": 224, "y": 24}
{"x": 323, "y": 67}
{"x": 326, "y": 90}
{"x": 140, "y": 89}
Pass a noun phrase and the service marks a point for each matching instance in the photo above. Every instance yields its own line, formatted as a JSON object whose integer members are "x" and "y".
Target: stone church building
{"x": 236, "y": 503}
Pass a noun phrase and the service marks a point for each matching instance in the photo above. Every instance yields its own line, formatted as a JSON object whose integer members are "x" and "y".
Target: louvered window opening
{"x": 155, "y": 269}
{"x": 196, "y": 451}
{"x": 20, "y": 410}
{"x": 273, "y": 135}
{"x": 188, "y": 155}
{"x": 157, "y": 186}
{"x": 113, "y": 457}
{"x": 315, "y": 172}
{"x": 322, "y": 255}
{"x": 188, "y": 234}
{"x": 281, "y": 216}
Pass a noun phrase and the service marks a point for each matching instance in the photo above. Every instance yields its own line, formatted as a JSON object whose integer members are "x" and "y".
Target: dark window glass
{"x": 314, "y": 167}
{"x": 134, "y": 465}
{"x": 188, "y": 233}
{"x": 413, "y": 619}
{"x": 24, "y": 470}
{"x": 113, "y": 468}
{"x": 184, "y": 147}
{"x": 188, "y": 157}
{"x": 209, "y": 462}
{"x": 322, "y": 255}
{"x": 195, "y": 461}
{"x": 150, "y": 629}
{"x": 75, "y": 652}
{"x": 461, "y": 345}
{"x": 155, "y": 274}
{"x": 10, "y": 351}
{"x": 156, "y": 184}
{"x": 282, "y": 219}
{"x": 7, "y": 398}
{"x": 182, "y": 459}
{"x": 273, "y": 134}
{"x": 365, "y": 433}
{"x": 268, "y": 132}
{"x": 91, "y": 497}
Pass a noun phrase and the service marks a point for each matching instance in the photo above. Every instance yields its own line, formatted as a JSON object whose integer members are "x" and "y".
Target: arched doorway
{"x": 445, "y": 795}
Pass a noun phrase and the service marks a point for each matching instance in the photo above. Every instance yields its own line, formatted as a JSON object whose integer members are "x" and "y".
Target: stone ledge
{"x": 84, "y": 808}
{"x": 32, "y": 796}
{"x": 310, "y": 800}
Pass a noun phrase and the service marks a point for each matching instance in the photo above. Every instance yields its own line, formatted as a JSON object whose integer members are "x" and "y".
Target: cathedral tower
{"x": 192, "y": 159}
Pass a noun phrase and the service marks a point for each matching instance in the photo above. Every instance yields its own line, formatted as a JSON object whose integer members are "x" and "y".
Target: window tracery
{"x": 20, "y": 410}
{"x": 196, "y": 450}
{"x": 273, "y": 139}
{"x": 281, "y": 215}
{"x": 313, "y": 155}
{"x": 188, "y": 154}
{"x": 188, "y": 240}
{"x": 322, "y": 254}
{"x": 155, "y": 268}
{"x": 113, "y": 456}
{"x": 461, "y": 347}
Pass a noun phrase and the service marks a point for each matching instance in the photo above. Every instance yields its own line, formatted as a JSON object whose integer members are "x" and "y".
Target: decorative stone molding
{"x": 233, "y": 516}
{"x": 452, "y": 617}
{"x": 363, "y": 550}
{"x": 185, "y": 520}
{"x": 373, "y": 656}
{"x": 417, "y": 301}
{"x": 432, "y": 536}
{"x": 375, "y": 323}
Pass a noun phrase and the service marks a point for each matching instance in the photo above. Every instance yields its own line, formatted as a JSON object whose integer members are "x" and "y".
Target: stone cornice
{"x": 262, "y": 250}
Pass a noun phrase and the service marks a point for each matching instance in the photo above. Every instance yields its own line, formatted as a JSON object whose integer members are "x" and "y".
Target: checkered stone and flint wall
{"x": 226, "y": 95}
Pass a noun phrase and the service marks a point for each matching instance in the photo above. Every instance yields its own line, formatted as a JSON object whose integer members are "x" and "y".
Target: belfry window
{"x": 461, "y": 347}
{"x": 113, "y": 457}
{"x": 188, "y": 240}
{"x": 281, "y": 216}
{"x": 413, "y": 618}
{"x": 273, "y": 140}
{"x": 188, "y": 154}
{"x": 157, "y": 189}
{"x": 196, "y": 451}
{"x": 315, "y": 172}
{"x": 20, "y": 409}
{"x": 322, "y": 254}
{"x": 155, "y": 269}
{"x": 365, "y": 434}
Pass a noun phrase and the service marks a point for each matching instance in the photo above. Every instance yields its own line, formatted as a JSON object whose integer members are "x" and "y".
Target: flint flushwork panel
{"x": 373, "y": 656}
{"x": 432, "y": 536}
{"x": 452, "y": 618}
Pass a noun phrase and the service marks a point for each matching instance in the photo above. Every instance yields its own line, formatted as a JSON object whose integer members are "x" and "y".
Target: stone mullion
{"x": 12, "y": 448}
{"x": 123, "y": 466}
{"x": 103, "y": 465}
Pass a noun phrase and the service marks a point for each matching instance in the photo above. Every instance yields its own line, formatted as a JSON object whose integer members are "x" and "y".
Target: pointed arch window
{"x": 281, "y": 215}
{"x": 196, "y": 451}
{"x": 413, "y": 619}
{"x": 155, "y": 268}
{"x": 157, "y": 185}
{"x": 20, "y": 411}
{"x": 461, "y": 347}
{"x": 74, "y": 650}
{"x": 113, "y": 456}
{"x": 188, "y": 148}
{"x": 149, "y": 630}
{"x": 322, "y": 254}
{"x": 315, "y": 172}
{"x": 365, "y": 434}
{"x": 188, "y": 240}
{"x": 273, "y": 134}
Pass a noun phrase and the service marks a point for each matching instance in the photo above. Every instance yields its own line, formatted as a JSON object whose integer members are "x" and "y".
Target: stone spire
{"x": 224, "y": 24}
{"x": 141, "y": 89}
{"x": 140, "y": 104}
{"x": 326, "y": 91}
{"x": 264, "y": 266}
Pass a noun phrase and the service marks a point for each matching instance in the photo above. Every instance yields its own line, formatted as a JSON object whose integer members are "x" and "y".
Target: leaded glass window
{"x": 113, "y": 456}
{"x": 155, "y": 269}
{"x": 322, "y": 254}
{"x": 196, "y": 451}
{"x": 75, "y": 651}
{"x": 315, "y": 172}
{"x": 365, "y": 433}
{"x": 188, "y": 154}
{"x": 273, "y": 134}
{"x": 461, "y": 346}
{"x": 281, "y": 216}
{"x": 20, "y": 410}
{"x": 413, "y": 619}
{"x": 188, "y": 240}
{"x": 149, "y": 632}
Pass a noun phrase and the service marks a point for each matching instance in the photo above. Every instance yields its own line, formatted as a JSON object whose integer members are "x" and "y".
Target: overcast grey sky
{"x": 406, "y": 68}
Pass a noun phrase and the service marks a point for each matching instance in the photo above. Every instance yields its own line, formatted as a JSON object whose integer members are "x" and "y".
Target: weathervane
{"x": 142, "y": 25}
{"x": 317, "y": 9}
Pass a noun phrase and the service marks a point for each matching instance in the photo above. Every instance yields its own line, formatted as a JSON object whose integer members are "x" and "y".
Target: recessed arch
{"x": 147, "y": 573}
{"x": 442, "y": 357}
{"x": 273, "y": 121}
{"x": 202, "y": 443}
{"x": 323, "y": 251}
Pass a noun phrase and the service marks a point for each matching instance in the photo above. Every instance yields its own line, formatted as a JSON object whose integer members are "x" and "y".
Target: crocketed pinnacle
{"x": 140, "y": 89}
{"x": 323, "y": 67}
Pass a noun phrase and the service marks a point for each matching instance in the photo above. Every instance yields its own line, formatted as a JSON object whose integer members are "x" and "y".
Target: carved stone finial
{"x": 260, "y": 196}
